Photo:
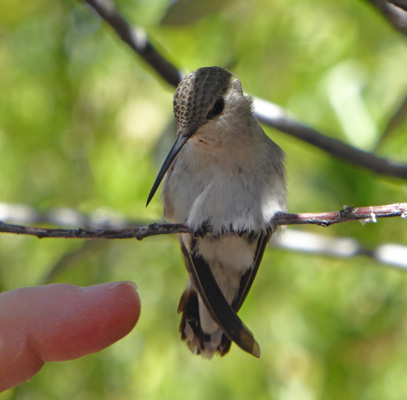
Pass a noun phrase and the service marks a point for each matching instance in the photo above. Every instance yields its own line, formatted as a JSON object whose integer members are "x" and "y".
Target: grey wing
{"x": 222, "y": 312}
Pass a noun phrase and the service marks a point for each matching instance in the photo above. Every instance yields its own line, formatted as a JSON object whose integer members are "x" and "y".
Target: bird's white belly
{"x": 224, "y": 203}
{"x": 229, "y": 257}
{"x": 231, "y": 251}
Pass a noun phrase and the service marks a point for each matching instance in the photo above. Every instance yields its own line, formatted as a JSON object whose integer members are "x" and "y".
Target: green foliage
{"x": 80, "y": 118}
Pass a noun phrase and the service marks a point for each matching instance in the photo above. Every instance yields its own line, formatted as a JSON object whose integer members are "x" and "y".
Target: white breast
{"x": 238, "y": 187}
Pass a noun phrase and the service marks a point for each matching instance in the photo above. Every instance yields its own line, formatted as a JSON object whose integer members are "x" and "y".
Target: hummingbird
{"x": 225, "y": 179}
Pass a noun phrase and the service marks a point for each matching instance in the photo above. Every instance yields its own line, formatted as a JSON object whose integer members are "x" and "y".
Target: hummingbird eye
{"x": 217, "y": 108}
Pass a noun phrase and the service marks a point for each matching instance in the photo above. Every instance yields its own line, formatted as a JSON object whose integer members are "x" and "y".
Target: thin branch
{"x": 139, "y": 232}
{"x": 366, "y": 214}
{"x": 400, "y": 3}
{"x": 294, "y": 240}
{"x": 137, "y": 39}
{"x": 393, "y": 13}
{"x": 276, "y": 117}
{"x": 268, "y": 113}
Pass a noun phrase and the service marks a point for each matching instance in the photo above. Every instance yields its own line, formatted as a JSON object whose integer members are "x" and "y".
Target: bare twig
{"x": 141, "y": 232}
{"x": 268, "y": 113}
{"x": 276, "y": 117}
{"x": 137, "y": 39}
{"x": 366, "y": 214}
{"x": 294, "y": 240}
{"x": 393, "y": 13}
{"x": 400, "y": 3}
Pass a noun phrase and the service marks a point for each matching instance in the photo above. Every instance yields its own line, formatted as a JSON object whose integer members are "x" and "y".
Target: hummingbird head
{"x": 199, "y": 98}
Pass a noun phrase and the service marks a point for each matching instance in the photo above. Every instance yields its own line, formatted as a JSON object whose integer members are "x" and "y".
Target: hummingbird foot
{"x": 202, "y": 230}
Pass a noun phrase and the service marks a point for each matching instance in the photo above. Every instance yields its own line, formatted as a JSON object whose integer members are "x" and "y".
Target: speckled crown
{"x": 196, "y": 94}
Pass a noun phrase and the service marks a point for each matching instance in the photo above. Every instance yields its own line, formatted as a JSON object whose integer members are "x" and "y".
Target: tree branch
{"x": 389, "y": 254}
{"x": 267, "y": 113}
{"x": 365, "y": 214}
{"x": 137, "y": 39}
{"x": 276, "y": 117}
{"x": 394, "y": 13}
{"x": 400, "y": 3}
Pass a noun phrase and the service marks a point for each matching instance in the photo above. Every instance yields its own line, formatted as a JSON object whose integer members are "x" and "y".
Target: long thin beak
{"x": 175, "y": 149}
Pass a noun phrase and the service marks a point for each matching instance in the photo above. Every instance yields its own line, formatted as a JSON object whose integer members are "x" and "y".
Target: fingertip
{"x": 93, "y": 318}
{"x": 60, "y": 322}
{"x": 126, "y": 302}
{"x": 122, "y": 294}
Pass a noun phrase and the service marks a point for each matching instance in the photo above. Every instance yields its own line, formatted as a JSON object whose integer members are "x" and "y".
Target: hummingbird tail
{"x": 202, "y": 335}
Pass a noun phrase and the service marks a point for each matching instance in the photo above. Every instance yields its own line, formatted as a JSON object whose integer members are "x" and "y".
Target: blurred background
{"x": 84, "y": 125}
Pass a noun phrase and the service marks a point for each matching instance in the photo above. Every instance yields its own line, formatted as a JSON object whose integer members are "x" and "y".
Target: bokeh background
{"x": 84, "y": 125}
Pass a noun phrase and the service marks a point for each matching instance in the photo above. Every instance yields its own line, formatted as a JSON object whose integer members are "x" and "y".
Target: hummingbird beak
{"x": 175, "y": 149}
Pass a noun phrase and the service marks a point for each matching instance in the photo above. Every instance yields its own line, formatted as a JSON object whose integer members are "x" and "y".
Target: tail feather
{"x": 193, "y": 333}
{"x": 209, "y": 304}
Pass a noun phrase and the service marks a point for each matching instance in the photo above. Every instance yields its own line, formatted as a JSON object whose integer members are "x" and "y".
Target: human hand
{"x": 61, "y": 322}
